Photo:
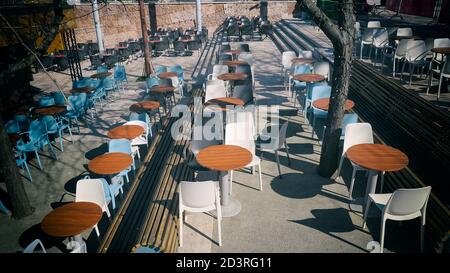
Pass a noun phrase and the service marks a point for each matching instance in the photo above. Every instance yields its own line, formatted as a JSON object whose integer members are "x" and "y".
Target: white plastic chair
{"x": 140, "y": 140}
{"x": 215, "y": 91}
{"x": 400, "y": 53}
{"x": 401, "y": 205}
{"x": 444, "y": 73}
{"x": 218, "y": 69}
{"x": 415, "y": 56}
{"x": 199, "y": 197}
{"x": 322, "y": 68}
{"x": 373, "y": 24}
{"x": 404, "y": 31}
{"x": 307, "y": 54}
{"x": 286, "y": 62}
{"x": 380, "y": 41}
{"x": 366, "y": 39}
{"x": 240, "y": 130}
{"x": 32, "y": 246}
{"x": 279, "y": 144}
{"x": 76, "y": 247}
{"x": 91, "y": 190}
{"x": 356, "y": 133}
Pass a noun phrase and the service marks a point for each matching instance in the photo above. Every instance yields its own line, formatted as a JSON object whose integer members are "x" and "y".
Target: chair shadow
{"x": 36, "y": 232}
{"x": 299, "y": 186}
{"x": 91, "y": 154}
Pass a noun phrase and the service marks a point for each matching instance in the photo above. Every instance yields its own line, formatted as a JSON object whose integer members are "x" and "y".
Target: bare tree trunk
{"x": 10, "y": 172}
{"x": 341, "y": 35}
{"x": 147, "y": 56}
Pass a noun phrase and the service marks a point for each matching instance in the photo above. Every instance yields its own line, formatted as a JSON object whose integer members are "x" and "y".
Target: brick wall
{"x": 120, "y": 22}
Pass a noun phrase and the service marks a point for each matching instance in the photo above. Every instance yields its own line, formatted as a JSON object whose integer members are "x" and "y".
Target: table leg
{"x": 358, "y": 205}
{"x": 230, "y": 206}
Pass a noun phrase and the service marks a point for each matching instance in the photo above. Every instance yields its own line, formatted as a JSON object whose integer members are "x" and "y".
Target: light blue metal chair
{"x": 46, "y": 101}
{"x": 55, "y": 127}
{"x": 38, "y": 140}
{"x": 145, "y": 118}
{"x": 111, "y": 190}
{"x": 120, "y": 76}
{"x": 160, "y": 69}
{"x": 58, "y": 98}
{"x": 319, "y": 92}
{"x": 179, "y": 70}
{"x": 23, "y": 121}
{"x": 12, "y": 127}
{"x": 122, "y": 146}
{"x": 108, "y": 85}
{"x": 21, "y": 161}
{"x": 150, "y": 82}
{"x": 75, "y": 109}
{"x": 101, "y": 69}
{"x": 307, "y": 97}
{"x": 346, "y": 120}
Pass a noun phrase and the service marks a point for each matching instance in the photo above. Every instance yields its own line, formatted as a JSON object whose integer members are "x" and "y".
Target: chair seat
{"x": 139, "y": 141}
{"x": 27, "y": 147}
{"x": 380, "y": 199}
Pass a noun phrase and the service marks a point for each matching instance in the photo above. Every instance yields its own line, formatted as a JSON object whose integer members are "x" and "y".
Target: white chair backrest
{"x": 240, "y": 130}
{"x": 441, "y": 42}
{"x": 429, "y": 43}
{"x": 404, "y": 31}
{"x": 247, "y": 57}
{"x": 91, "y": 190}
{"x": 219, "y": 69}
{"x": 407, "y": 201}
{"x": 286, "y": 58}
{"x": 198, "y": 194}
{"x": 215, "y": 91}
{"x": 282, "y": 136}
{"x": 380, "y": 38}
{"x": 415, "y": 50}
{"x": 139, "y": 123}
{"x": 367, "y": 35}
{"x": 373, "y": 24}
{"x": 400, "y": 51}
{"x": 307, "y": 54}
{"x": 357, "y": 133}
{"x": 32, "y": 246}
{"x": 214, "y": 82}
{"x": 322, "y": 68}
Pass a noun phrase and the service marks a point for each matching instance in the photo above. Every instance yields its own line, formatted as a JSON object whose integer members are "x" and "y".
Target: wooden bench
{"x": 403, "y": 119}
{"x": 148, "y": 216}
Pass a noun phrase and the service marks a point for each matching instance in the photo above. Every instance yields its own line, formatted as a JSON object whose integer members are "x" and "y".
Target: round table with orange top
{"x": 84, "y": 89}
{"x": 162, "y": 89}
{"x": 101, "y": 75}
{"x": 376, "y": 158}
{"x": 126, "y": 131}
{"x": 222, "y": 103}
{"x": 71, "y": 220}
{"x": 165, "y": 75}
{"x": 224, "y": 158}
{"x": 145, "y": 106}
{"x": 234, "y": 63}
{"x": 232, "y": 76}
{"x": 110, "y": 163}
{"x": 441, "y": 50}
{"x": 324, "y": 104}
{"x": 309, "y": 78}
{"x": 303, "y": 60}
{"x": 49, "y": 110}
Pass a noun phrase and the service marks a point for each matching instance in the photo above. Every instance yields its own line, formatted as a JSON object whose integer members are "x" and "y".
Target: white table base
{"x": 230, "y": 206}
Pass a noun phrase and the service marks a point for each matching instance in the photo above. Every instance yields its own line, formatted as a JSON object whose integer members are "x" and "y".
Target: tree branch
{"x": 323, "y": 22}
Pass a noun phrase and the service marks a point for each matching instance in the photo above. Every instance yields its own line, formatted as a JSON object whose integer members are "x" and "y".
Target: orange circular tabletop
{"x": 324, "y": 104}
{"x": 224, "y": 157}
{"x": 222, "y": 103}
{"x": 162, "y": 89}
{"x": 164, "y": 75}
{"x": 110, "y": 163}
{"x": 101, "y": 75}
{"x": 49, "y": 110}
{"x": 144, "y": 106}
{"x": 441, "y": 50}
{"x": 310, "y": 78}
{"x": 71, "y": 219}
{"x": 126, "y": 131}
{"x": 378, "y": 157}
{"x": 232, "y": 76}
{"x": 234, "y": 62}
{"x": 303, "y": 60}
{"x": 84, "y": 89}
{"x": 232, "y": 51}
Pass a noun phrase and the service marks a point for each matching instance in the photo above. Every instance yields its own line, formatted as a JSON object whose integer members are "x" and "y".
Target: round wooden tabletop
{"x": 126, "y": 131}
{"x": 49, "y": 110}
{"x": 224, "y": 157}
{"x": 71, "y": 219}
{"x": 232, "y": 76}
{"x": 310, "y": 78}
{"x": 144, "y": 106}
{"x": 101, "y": 75}
{"x": 303, "y": 60}
{"x": 234, "y": 62}
{"x": 162, "y": 89}
{"x": 222, "y": 103}
{"x": 324, "y": 104}
{"x": 110, "y": 163}
{"x": 165, "y": 75}
{"x": 232, "y": 51}
{"x": 441, "y": 50}
{"x": 84, "y": 89}
{"x": 377, "y": 157}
